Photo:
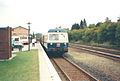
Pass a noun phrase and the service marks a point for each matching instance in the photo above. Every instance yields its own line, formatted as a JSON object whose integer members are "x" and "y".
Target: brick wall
{"x": 5, "y": 43}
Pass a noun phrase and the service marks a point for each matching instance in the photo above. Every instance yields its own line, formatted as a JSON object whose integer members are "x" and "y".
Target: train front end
{"x": 57, "y": 42}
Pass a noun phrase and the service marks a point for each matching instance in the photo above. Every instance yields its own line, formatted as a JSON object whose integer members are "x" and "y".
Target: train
{"x": 55, "y": 42}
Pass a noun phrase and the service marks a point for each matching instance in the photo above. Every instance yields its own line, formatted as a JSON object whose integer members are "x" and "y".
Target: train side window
{"x": 62, "y": 37}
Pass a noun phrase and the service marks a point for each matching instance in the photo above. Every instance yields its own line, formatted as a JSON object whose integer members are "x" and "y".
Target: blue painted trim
{"x": 57, "y": 30}
{"x": 54, "y": 46}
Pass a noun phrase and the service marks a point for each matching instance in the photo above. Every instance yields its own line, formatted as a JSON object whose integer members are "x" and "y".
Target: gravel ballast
{"x": 102, "y": 68}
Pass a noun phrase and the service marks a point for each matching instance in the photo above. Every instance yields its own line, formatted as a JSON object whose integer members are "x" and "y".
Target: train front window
{"x": 53, "y": 37}
{"x": 62, "y": 37}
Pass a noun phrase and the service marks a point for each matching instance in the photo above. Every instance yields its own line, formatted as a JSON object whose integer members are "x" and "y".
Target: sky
{"x": 49, "y": 14}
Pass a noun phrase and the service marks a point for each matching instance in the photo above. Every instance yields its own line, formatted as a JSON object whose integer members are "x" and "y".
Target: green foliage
{"x": 67, "y": 29}
{"x": 38, "y": 35}
{"x": 117, "y": 34}
{"x": 85, "y": 23}
{"x": 33, "y": 35}
{"x": 92, "y": 26}
{"x": 75, "y": 26}
{"x": 118, "y": 19}
{"x": 81, "y": 24}
{"x": 111, "y": 28}
{"x": 98, "y": 24}
{"x": 75, "y": 35}
{"x": 107, "y": 20}
{"x": 89, "y": 35}
{"x": 102, "y": 33}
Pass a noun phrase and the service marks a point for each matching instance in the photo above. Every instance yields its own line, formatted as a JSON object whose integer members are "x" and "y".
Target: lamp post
{"x": 28, "y": 36}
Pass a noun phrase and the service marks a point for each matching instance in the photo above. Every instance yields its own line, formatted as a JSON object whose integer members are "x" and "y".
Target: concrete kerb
{"x": 13, "y": 56}
{"x": 51, "y": 70}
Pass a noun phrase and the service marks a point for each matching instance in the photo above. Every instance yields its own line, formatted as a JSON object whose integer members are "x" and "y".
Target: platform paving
{"x": 47, "y": 71}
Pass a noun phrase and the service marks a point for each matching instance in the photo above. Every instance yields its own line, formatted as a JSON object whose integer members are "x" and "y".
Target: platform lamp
{"x": 28, "y": 36}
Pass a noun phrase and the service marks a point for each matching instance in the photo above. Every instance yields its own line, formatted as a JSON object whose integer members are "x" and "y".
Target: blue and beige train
{"x": 55, "y": 41}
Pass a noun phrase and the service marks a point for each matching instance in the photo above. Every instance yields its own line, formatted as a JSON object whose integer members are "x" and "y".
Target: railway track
{"x": 113, "y": 51}
{"x": 71, "y": 71}
{"x": 114, "y": 54}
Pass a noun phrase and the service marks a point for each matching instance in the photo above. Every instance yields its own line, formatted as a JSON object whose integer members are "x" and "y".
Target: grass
{"x": 105, "y": 44}
{"x": 24, "y": 67}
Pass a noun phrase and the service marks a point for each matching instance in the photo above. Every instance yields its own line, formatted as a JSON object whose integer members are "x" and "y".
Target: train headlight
{"x": 50, "y": 43}
{"x": 65, "y": 44}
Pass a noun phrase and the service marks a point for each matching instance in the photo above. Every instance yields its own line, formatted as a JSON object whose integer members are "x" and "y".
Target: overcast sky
{"x": 47, "y": 14}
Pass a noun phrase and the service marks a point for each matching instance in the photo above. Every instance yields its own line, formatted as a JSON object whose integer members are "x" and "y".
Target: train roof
{"x": 57, "y": 30}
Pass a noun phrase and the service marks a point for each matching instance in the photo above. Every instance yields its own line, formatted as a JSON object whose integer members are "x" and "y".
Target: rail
{"x": 97, "y": 50}
{"x": 72, "y": 71}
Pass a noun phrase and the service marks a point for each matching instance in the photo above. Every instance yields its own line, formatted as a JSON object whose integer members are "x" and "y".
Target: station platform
{"x": 47, "y": 71}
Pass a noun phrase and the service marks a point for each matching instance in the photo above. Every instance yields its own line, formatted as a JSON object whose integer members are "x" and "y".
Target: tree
{"x": 89, "y": 35}
{"x": 38, "y": 35}
{"x": 118, "y": 19}
{"x": 91, "y": 26}
{"x": 98, "y": 24}
{"x": 102, "y": 34}
{"x": 81, "y": 24}
{"x": 84, "y": 23}
{"x": 33, "y": 35}
{"x": 107, "y": 21}
{"x": 117, "y": 33}
{"x": 111, "y": 28}
{"x": 67, "y": 29}
{"x": 75, "y": 26}
{"x": 99, "y": 33}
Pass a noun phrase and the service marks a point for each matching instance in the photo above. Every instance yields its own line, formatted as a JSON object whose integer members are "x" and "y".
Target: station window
{"x": 14, "y": 33}
{"x": 23, "y": 37}
{"x": 16, "y": 39}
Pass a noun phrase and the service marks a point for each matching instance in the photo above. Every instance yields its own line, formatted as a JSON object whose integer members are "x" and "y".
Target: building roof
{"x": 20, "y": 27}
{"x": 3, "y": 27}
{"x": 57, "y": 30}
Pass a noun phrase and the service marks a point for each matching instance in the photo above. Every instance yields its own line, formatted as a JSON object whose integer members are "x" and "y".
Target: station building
{"x": 21, "y": 34}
